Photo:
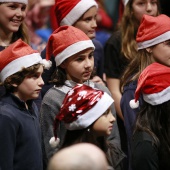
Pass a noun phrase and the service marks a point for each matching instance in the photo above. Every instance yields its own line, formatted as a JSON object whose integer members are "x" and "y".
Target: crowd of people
{"x": 79, "y": 90}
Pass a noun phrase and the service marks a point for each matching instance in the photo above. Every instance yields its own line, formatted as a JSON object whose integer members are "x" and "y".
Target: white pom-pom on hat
{"x": 54, "y": 142}
{"x": 47, "y": 63}
{"x": 134, "y": 104}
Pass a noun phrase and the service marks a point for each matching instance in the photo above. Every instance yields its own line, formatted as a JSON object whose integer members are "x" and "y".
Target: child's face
{"x": 12, "y": 16}
{"x": 161, "y": 53}
{"x": 148, "y": 7}
{"x": 80, "y": 66}
{"x": 104, "y": 124}
{"x": 30, "y": 87}
{"x": 87, "y": 23}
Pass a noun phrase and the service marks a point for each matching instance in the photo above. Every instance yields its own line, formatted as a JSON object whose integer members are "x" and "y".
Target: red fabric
{"x": 15, "y": 51}
{"x": 53, "y": 20}
{"x": 63, "y": 7}
{"x": 153, "y": 79}
{"x": 105, "y": 21}
{"x": 151, "y": 27}
{"x": 78, "y": 101}
{"x": 121, "y": 10}
{"x": 56, "y": 43}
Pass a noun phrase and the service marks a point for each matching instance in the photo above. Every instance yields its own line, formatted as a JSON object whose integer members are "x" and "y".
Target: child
{"x": 74, "y": 60}
{"x": 20, "y": 137}
{"x": 151, "y": 140}
{"x": 12, "y": 27}
{"x": 120, "y": 50}
{"x": 153, "y": 46}
{"x": 80, "y": 14}
{"x": 87, "y": 117}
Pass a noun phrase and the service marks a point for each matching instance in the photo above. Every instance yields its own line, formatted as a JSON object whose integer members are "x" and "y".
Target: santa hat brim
{"x": 158, "y": 98}
{"x": 161, "y": 38}
{"x": 18, "y": 1}
{"x": 73, "y": 49}
{"x": 17, "y": 65}
{"x": 77, "y": 12}
{"x": 92, "y": 115}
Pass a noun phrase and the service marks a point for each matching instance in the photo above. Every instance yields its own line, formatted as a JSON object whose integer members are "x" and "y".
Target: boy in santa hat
{"x": 20, "y": 138}
{"x": 12, "y": 24}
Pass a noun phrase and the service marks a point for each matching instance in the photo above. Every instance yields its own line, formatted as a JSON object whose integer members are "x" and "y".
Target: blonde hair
{"x": 136, "y": 66}
{"x": 138, "y": 60}
{"x": 129, "y": 46}
{"x": 21, "y": 33}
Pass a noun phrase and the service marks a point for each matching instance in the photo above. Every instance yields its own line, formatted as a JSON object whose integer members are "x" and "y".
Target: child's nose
{"x": 41, "y": 81}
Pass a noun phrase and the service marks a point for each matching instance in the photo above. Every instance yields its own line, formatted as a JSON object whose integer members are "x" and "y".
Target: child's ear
{"x": 149, "y": 50}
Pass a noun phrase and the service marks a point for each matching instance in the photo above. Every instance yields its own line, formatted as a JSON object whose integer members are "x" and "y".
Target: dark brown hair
{"x": 18, "y": 77}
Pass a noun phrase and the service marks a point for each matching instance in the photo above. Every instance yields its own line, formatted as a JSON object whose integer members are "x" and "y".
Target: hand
{"x": 97, "y": 79}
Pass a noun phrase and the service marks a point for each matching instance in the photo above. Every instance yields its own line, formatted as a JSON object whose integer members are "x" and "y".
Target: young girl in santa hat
{"x": 82, "y": 15}
{"x": 153, "y": 46}
{"x": 12, "y": 26}
{"x": 87, "y": 116}
{"x": 151, "y": 140}
{"x": 73, "y": 54}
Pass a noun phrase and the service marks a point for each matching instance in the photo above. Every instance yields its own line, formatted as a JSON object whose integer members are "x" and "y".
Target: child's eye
{"x": 12, "y": 7}
{"x": 34, "y": 76}
{"x": 91, "y": 55}
{"x": 154, "y": 2}
{"x": 79, "y": 59}
{"x": 23, "y": 8}
{"x": 88, "y": 19}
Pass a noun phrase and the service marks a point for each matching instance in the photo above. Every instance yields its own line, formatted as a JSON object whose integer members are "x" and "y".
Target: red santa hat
{"x": 81, "y": 107}
{"x": 18, "y": 1}
{"x": 153, "y": 84}
{"x": 17, "y": 56}
{"x": 66, "y": 41}
{"x": 153, "y": 30}
{"x": 69, "y": 11}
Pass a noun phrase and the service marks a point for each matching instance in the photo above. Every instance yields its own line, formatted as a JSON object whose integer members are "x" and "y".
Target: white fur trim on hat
{"x": 157, "y": 98}
{"x": 54, "y": 142}
{"x": 125, "y": 2}
{"x": 73, "y": 49}
{"x": 154, "y": 41}
{"x": 18, "y": 64}
{"x": 18, "y": 1}
{"x": 77, "y": 12}
{"x": 134, "y": 104}
{"x": 91, "y": 115}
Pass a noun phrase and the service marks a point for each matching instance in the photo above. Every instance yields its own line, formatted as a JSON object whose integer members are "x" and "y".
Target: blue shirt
{"x": 20, "y": 137}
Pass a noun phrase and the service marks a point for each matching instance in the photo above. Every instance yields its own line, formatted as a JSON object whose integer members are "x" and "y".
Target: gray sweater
{"x": 50, "y": 107}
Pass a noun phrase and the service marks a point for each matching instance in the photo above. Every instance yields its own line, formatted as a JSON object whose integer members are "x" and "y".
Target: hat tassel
{"x": 134, "y": 104}
{"x": 54, "y": 142}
